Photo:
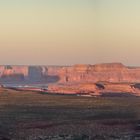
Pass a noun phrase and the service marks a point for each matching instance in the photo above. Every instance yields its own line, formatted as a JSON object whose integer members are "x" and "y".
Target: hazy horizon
{"x": 60, "y": 32}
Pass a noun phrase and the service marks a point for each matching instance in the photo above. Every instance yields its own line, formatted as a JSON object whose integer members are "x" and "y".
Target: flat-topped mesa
{"x": 10, "y": 70}
{"x": 82, "y": 68}
{"x": 109, "y": 67}
{"x": 112, "y": 72}
{"x": 109, "y": 72}
{"x": 104, "y": 67}
{"x": 17, "y": 74}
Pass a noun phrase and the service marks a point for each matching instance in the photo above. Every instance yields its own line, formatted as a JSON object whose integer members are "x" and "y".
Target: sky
{"x": 67, "y": 32}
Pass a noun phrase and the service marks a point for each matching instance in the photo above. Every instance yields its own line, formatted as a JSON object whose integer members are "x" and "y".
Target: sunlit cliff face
{"x": 106, "y": 72}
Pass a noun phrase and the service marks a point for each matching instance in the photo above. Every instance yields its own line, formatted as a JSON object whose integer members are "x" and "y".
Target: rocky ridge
{"x": 94, "y": 79}
{"x": 110, "y": 72}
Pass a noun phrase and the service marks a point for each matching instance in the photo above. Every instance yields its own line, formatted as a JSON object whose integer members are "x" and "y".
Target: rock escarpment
{"x": 98, "y": 79}
{"x": 95, "y": 89}
{"x": 29, "y": 74}
{"x": 20, "y": 74}
{"x": 84, "y": 79}
{"x": 13, "y": 73}
{"x": 111, "y": 72}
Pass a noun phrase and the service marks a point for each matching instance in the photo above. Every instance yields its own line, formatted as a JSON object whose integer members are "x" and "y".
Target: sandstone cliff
{"x": 111, "y": 72}
{"x": 97, "y": 79}
{"x": 93, "y": 79}
{"x": 19, "y": 74}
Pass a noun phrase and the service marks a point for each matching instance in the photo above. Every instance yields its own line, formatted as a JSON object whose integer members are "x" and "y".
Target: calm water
{"x": 26, "y": 85}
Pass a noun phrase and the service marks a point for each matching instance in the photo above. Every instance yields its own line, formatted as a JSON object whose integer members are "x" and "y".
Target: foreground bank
{"x": 32, "y": 116}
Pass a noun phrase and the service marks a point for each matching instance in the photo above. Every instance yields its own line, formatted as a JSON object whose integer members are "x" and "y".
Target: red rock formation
{"x": 95, "y": 89}
{"x": 78, "y": 78}
{"x": 108, "y": 72}
{"x": 21, "y": 73}
{"x": 112, "y": 72}
{"x": 11, "y": 70}
{"x": 118, "y": 87}
{"x": 85, "y": 88}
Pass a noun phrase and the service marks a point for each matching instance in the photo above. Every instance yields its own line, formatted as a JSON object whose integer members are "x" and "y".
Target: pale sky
{"x": 66, "y": 32}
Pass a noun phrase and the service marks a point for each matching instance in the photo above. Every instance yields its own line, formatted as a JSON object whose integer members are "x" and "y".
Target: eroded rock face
{"x": 84, "y": 88}
{"x": 96, "y": 89}
{"x": 76, "y": 79}
{"x": 116, "y": 78}
{"x": 29, "y": 74}
{"x": 111, "y": 72}
{"x": 13, "y": 74}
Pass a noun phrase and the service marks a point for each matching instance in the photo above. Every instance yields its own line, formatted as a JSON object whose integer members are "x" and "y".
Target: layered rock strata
{"x": 107, "y": 72}
{"x": 112, "y": 72}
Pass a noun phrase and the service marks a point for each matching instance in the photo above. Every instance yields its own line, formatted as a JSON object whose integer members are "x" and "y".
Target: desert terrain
{"x": 80, "y": 102}
{"x": 26, "y": 115}
{"x": 77, "y": 79}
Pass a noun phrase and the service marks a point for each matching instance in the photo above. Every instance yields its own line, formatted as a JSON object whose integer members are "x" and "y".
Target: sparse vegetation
{"x": 28, "y": 115}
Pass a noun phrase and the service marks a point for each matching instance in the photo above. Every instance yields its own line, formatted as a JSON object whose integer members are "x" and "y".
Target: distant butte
{"x": 77, "y": 77}
{"x": 109, "y": 72}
